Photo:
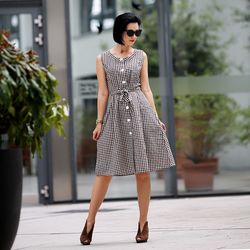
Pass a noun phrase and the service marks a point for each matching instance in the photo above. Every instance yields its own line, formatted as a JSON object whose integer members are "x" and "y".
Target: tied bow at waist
{"x": 124, "y": 94}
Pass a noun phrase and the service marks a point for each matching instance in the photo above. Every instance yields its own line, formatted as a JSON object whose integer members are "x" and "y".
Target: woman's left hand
{"x": 163, "y": 125}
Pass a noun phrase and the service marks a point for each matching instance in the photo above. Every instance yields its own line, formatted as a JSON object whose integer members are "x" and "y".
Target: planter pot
{"x": 216, "y": 163}
{"x": 199, "y": 176}
{"x": 86, "y": 153}
{"x": 11, "y": 195}
{"x": 182, "y": 125}
{"x": 180, "y": 160}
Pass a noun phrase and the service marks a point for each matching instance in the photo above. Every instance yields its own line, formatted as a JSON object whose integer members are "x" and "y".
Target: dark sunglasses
{"x": 131, "y": 32}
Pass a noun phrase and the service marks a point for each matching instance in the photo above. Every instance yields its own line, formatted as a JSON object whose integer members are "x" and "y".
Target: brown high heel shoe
{"x": 85, "y": 237}
{"x": 142, "y": 236}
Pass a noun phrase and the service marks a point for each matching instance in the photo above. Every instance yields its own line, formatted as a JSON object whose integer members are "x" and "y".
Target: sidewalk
{"x": 183, "y": 224}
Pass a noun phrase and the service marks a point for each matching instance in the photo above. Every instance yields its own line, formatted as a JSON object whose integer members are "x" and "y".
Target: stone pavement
{"x": 175, "y": 224}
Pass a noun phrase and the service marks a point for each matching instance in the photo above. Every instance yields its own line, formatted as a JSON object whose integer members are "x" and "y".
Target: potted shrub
{"x": 210, "y": 121}
{"x": 243, "y": 121}
{"x": 86, "y": 147}
{"x": 29, "y": 107}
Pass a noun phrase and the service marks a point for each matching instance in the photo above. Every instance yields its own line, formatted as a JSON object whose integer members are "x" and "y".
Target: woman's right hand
{"x": 97, "y": 132}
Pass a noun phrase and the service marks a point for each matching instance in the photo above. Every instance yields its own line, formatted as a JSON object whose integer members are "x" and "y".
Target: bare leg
{"x": 99, "y": 190}
{"x": 143, "y": 191}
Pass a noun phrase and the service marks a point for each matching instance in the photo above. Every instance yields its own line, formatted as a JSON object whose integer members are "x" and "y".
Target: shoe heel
{"x": 85, "y": 237}
{"x": 142, "y": 236}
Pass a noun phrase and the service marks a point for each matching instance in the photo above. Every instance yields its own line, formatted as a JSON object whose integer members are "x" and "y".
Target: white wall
{"x": 85, "y": 50}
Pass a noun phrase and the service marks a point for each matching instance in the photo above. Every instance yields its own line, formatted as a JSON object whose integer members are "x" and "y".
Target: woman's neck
{"x": 123, "y": 49}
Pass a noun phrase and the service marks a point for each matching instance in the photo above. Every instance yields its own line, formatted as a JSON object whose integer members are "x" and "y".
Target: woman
{"x": 130, "y": 137}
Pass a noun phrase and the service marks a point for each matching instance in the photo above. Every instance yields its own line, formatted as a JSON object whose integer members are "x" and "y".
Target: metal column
{"x": 166, "y": 85}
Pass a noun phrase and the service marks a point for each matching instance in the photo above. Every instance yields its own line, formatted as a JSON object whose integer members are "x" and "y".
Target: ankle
{"x": 90, "y": 221}
{"x": 142, "y": 224}
{"x": 143, "y": 221}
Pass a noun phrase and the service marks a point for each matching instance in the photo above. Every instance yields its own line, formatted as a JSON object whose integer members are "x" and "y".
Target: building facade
{"x": 199, "y": 68}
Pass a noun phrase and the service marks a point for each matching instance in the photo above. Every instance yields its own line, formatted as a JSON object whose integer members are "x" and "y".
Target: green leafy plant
{"x": 210, "y": 124}
{"x": 206, "y": 122}
{"x": 244, "y": 126}
{"x": 29, "y": 103}
{"x": 196, "y": 44}
{"x": 243, "y": 17}
{"x": 149, "y": 42}
{"x": 197, "y": 48}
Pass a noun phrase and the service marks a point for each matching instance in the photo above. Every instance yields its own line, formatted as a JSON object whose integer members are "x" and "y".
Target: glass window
{"x": 211, "y": 68}
{"x": 97, "y": 15}
{"x": 84, "y": 51}
{"x": 20, "y": 29}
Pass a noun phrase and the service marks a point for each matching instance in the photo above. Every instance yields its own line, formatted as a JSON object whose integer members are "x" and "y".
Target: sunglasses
{"x": 132, "y": 32}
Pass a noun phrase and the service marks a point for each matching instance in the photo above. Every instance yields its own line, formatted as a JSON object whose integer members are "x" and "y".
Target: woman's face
{"x": 130, "y": 40}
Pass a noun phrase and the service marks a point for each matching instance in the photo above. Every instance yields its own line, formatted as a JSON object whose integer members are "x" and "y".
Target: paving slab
{"x": 175, "y": 224}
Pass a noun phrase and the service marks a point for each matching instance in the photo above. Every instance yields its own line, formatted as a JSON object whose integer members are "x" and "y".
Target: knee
{"x": 105, "y": 178}
{"x": 143, "y": 177}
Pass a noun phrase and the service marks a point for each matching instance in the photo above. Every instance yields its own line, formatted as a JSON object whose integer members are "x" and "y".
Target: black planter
{"x": 11, "y": 195}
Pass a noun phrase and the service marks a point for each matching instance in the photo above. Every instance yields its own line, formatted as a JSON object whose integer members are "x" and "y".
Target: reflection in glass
{"x": 85, "y": 47}
{"x": 21, "y": 35}
{"x": 211, "y": 68}
{"x": 211, "y": 65}
{"x": 20, "y": 29}
{"x": 95, "y": 15}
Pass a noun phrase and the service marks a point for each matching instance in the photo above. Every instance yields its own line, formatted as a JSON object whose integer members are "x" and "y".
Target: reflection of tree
{"x": 197, "y": 47}
{"x": 198, "y": 50}
{"x": 148, "y": 41}
{"x": 243, "y": 16}
{"x": 86, "y": 146}
{"x": 208, "y": 122}
{"x": 244, "y": 126}
{"x": 206, "y": 119}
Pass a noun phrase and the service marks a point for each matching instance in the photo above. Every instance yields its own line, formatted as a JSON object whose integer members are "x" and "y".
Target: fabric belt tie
{"x": 124, "y": 94}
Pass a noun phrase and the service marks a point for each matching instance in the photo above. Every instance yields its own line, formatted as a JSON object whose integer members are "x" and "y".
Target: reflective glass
{"x": 21, "y": 35}
{"x": 84, "y": 48}
{"x": 211, "y": 68}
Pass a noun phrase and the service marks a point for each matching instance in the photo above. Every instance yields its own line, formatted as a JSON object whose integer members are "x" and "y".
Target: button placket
{"x": 122, "y": 65}
{"x": 130, "y": 127}
{"x": 128, "y": 118}
{"x": 122, "y": 70}
{"x": 127, "y": 106}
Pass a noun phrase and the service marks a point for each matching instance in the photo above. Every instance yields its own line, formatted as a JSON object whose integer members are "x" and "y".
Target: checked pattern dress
{"x": 131, "y": 139}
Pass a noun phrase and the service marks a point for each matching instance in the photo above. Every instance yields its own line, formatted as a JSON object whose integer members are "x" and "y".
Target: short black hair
{"x": 121, "y": 23}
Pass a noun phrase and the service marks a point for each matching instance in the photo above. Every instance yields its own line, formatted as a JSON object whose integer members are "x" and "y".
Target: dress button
{"x": 127, "y": 107}
{"x": 121, "y": 59}
{"x": 128, "y": 120}
{"x": 130, "y": 133}
{"x": 123, "y": 81}
{"x": 122, "y": 70}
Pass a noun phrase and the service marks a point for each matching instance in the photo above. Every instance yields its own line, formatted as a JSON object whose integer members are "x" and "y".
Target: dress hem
{"x": 133, "y": 173}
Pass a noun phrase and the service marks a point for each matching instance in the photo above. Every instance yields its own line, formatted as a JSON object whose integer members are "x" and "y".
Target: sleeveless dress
{"x": 131, "y": 139}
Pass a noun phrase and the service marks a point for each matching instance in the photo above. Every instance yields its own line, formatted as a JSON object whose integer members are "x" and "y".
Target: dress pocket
{"x": 105, "y": 119}
{"x": 144, "y": 101}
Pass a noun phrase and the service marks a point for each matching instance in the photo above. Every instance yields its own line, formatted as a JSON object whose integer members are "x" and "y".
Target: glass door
{"x": 211, "y": 69}
{"x": 25, "y": 26}
{"x": 91, "y": 33}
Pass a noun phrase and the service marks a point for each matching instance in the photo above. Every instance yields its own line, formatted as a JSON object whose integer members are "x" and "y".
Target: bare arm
{"x": 102, "y": 97}
{"x": 103, "y": 93}
{"x": 145, "y": 87}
